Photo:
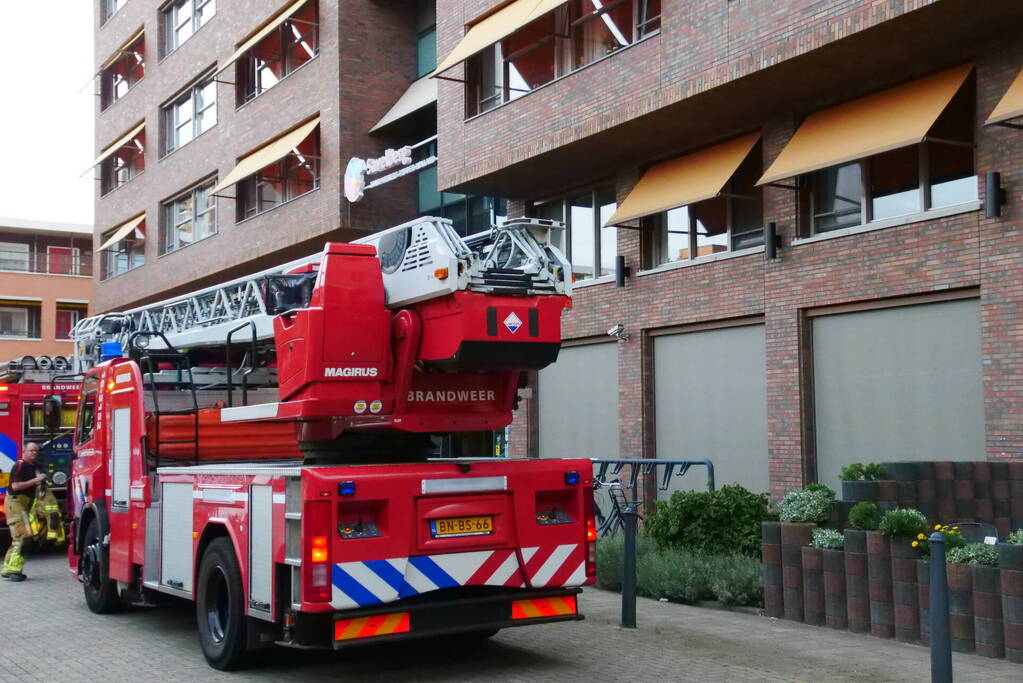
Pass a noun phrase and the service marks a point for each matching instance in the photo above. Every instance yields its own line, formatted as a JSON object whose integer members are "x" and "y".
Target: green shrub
{"x": 865, "y": 515}
{"x": 817, "y": 486}
{"x": 852, "y": 472}
{"x": 974, "y": 553}
{"x": 720, "y": 522}
{"x": 873, "y": 472}
{"x": 1016, "y": 537}
{"x": 827, "y": 538}
{"x": 807, "y": 505}
{"x": 903, "y": 522}
{"x": 681, "y": 576}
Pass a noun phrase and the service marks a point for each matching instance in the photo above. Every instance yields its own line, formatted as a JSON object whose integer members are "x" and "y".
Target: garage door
{"x": 898, "y": 384}
{"x": 579, "y": 403}
{"x": 710, "y": 402}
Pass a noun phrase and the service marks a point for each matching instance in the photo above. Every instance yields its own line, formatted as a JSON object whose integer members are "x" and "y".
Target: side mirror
{"x": 53, "y": 409}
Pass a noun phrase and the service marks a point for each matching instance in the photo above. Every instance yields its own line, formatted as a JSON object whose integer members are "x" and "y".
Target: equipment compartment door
{"x": 176, "y": 537}
{"x": 260, "y": 550}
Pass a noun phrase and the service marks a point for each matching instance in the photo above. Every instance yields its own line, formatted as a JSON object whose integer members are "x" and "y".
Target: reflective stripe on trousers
{"x": 19, "y": 523}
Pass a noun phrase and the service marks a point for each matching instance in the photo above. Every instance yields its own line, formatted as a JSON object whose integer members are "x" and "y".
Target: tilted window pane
{"x": 952, "y": 174}
{"x": 895, "y": 183}
{"x": 581, "y": 224}
{"x": 711, "y": 226}
{"x": 837, "y": 197}
{"x": 608, "y": 236}
{"x": 600, "y": 34}
{"x": 674, "y": 234}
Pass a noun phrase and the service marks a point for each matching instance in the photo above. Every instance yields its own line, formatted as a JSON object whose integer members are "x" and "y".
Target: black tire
{"x": 220, "y": 608}
{"x": 101, "y": 595}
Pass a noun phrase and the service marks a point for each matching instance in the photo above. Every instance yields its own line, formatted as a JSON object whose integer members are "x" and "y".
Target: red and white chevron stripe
{"x": 555, "y": 565}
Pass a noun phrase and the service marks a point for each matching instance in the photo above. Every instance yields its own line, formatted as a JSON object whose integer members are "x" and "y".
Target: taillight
{"x": 591, "y": 537}
{"x": 316, "y": 584}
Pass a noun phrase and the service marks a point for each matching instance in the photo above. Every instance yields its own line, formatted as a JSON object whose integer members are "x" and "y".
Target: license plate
{"x": 461, "y": 526}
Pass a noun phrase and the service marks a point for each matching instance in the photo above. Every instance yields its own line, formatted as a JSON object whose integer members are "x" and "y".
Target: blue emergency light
{"x": 572, "y": 477}
{"x": 110, "y": 350}
{"x": 346, "y": 488}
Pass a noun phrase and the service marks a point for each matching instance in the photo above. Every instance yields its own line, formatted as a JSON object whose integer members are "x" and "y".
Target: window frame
{"x": 21, "y": 248}
{"x": 599, "y": 231}
{"x": 251, "y": 187}
{"x": 169, "y": 29}
{"x": 247, "y": 71}
{"x": 109, "y": 174}
{"x": 109, "y": 75}
{"x": 169, "y": 212}
{"x": 77, "y": 312}
{"x": 31, "y": 330}
{"x": 129, "y": 248}
{"x": 192, "y": 94}
{"x": 108, "y": 8}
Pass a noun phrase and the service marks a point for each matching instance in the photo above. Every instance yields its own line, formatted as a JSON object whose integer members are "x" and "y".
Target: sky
{"x": 46, "y": 110}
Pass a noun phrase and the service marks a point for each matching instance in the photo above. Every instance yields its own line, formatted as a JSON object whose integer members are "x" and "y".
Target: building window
{"x": 63, "y": 261}
{"x": 936, "y": 173}
{"x": 127, "y": 162}
{"x": 569, "y": 38}
{"x": 729, "y": 222}
{"x": 121, "y": 74}
{"x": 108, "y": 8}
{"x": 189, "y": 217}
{"x": 297, "y": 173}
{"x": 21, "y": 322}
{"x": 468, "y": 214}
{"x": 590, "y": 248}
{"x": 191, "y": 114}
{"x": 284, "y": 50}
{"x": 68, "y": 316}
{"x": 126, "y": 254}
{"x": 426, "y": 52}
{"x": 14, "y": 256}
{"x": 182, "y": 18}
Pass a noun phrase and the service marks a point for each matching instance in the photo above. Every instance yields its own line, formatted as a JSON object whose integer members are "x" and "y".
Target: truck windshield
{"x": 87, "y": 409}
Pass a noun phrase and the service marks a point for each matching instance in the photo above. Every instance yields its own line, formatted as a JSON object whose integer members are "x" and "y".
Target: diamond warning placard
{"x": 513, "y": 323}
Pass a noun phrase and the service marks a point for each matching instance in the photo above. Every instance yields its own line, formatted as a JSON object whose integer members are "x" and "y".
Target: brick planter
{"x": 836, "y": 615}
{"x": 857, "y": 592}
{"x": 904, "y": 590}
{"x": 856, "y": 491}
{"x": 771, "y": 569}
{"x": 960, "y": 607}
{"x": 923, "y": 596}
{"x": 888, "y": 491}
{"x": 813, "y": 586}
{"x": 1010, "y": 562}
{"x": 794, "y": 535}
{"x": 879, "y": 583}
{"x": 987, "y": 611}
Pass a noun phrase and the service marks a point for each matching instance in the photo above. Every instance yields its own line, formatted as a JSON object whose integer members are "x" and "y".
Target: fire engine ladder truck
{"x": 192, "y": 343}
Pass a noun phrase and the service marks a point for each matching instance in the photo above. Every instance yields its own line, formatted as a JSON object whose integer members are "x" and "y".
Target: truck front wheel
{"x": 219, "y": 606}
{"x": 100, "y": 594}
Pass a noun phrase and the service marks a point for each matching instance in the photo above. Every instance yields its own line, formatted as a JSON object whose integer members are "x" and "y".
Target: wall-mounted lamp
{"x": 994, "y": 197}
{"x": 772, "y": 242}
{"x": 622, "y": 271}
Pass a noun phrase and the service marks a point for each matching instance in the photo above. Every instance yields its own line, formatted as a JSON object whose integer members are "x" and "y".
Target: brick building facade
{"x": 179, "y": 109}
{"x": 878, "y": 333}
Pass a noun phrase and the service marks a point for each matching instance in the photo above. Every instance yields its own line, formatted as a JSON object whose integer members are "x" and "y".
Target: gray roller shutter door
{"x": 710, "y": 403}
{"x": 898, "y": 384}
{"x": 579, "y": 403}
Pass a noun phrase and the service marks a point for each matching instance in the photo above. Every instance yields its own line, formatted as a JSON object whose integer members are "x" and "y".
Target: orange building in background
{"x": 45, "y": 285}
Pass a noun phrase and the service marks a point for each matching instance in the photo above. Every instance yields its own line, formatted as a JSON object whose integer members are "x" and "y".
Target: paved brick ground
{"x": 56, "y": 638}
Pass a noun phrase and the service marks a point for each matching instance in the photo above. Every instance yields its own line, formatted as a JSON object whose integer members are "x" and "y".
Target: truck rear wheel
{"x": 100, "y": 594}
{"x": 219, "y": 607}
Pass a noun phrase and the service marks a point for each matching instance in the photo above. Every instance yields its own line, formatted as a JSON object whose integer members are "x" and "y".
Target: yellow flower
{"x": 921, "y": 536}
{"x": 937, "y": 527}
{"x": 955, "y": 528}
{"x": 916, "y": 543}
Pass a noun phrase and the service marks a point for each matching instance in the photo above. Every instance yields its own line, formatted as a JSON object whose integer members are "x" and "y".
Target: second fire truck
{"x": 267, "y": 448}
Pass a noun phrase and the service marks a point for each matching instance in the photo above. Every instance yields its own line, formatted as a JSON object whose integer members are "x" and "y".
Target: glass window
{"x": 189, "y": 217}
{"x": 469, "y": 214}
{"x": 182, "y": 18}
{"x": 837, "y": 197}
{"x": 87, "y": 409}
{"x": 126, "y": 254}
{"x": 598, "y": 29}
{"x": 895, "y": 183}
{"x": 297, "y": 173}
{"x": 124, "y": 164}
{"x": 67, "y": 318}
{"x": 649, "y": 17}
{"x": 193, "y": 113}
{"x": 109, "y": 8}
{"x": 285, "y": 49}
{"x": 14, "y": 256}
{"x": 121, "y": 75}
{"x": 19, "y": 321}
{"x": 584, "y": 238}
{"x": 426, "y": 52}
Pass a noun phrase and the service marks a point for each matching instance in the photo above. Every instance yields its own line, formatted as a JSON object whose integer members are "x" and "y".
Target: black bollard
{"x": 631, "y": 516}
{"x": 941, "y": 640}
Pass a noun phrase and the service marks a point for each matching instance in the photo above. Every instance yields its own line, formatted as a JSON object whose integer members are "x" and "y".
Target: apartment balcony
{"x": 52, "y": 261}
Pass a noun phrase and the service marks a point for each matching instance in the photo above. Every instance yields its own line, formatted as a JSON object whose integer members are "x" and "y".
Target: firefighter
{"x": 21, "y": 491}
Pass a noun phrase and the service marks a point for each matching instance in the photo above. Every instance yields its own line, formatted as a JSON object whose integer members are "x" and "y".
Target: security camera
{"x": 618, "y": 331}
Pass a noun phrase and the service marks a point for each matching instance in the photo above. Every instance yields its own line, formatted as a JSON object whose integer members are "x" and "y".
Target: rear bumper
{"x": 432, "y": 615}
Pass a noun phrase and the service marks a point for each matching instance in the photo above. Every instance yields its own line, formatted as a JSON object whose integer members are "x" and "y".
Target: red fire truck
{"x": 37, "y": 408}
{"x": 267, "y": 448}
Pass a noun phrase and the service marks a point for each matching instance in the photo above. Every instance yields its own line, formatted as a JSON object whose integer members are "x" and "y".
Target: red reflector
{"x": 366, "y": 627}
{"x": 543, "y": 607}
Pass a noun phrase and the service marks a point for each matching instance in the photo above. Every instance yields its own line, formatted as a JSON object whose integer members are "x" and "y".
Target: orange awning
{"x": 267, "y": 154}
{"x": 421, "y": 93}
{"x": 263, "y": 32}
{"x": 122, "y": 231}
{"x": 1011, "y": 104}
{"x": 119, "y": 51}
{"x": 887, "y": 120}
{"x": 495, "y": 27}
{"x": 685, "y": 180}
{"x": 118, "y": 143}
